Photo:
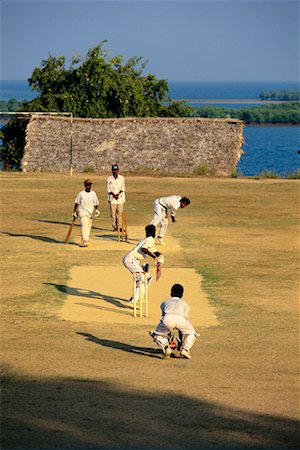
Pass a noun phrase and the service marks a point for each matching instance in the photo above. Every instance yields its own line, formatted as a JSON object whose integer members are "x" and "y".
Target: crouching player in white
{"x": 175, "y": 312}
{"x": 132, "y": 261}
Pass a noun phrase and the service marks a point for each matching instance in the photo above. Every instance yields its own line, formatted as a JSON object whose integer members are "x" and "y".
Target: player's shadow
{"x": 36, "y": 237}
{"x": 144, "y": 351}
{"x": 56, "y": 222}
{"x": 114, "y": 238}
{"x": 106, "y": 237}
{"x": 87, "y": 293}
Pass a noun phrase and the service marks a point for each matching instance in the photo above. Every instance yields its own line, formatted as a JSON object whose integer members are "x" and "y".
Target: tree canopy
{"x": 288, "y": 112}
{"x": 283, "y": 95}
{"x": 94, "y": 86}
{"x": 100, "y": 86}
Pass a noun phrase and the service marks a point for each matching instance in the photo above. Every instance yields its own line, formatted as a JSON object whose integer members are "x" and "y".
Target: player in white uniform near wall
{"x": 115, "y": 186}
{"x": 132, "y": 261}
{"x": 160, "y": 208}
{"x": 175, "y": 313}
{"x": 85, "y": 204}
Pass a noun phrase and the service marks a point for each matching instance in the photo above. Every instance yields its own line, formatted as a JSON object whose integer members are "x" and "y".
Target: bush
{"x": 269, "y": 174}
{"x": 294, "y": 176}
{"x": 204, "y": 170}
{"x": 89, "y": 169}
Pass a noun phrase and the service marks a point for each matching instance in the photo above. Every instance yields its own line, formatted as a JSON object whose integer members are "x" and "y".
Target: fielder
{"x": 115, "y": 187}
{"x": 85, "y": 204}
{"x": 132, "y": 261}
{"x": 175, "y": 312}
{"x": 160, "y": 208}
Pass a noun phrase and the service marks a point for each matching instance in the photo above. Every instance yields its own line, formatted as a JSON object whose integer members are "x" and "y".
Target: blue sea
{"x": 271, "y": 148}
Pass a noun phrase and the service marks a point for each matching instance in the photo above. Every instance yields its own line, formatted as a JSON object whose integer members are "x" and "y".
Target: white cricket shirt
{"x": 147, "y": 243}
{"x": 86, "y": 201}
{"x": 115, "y": 185}
{"x": 172, "y": 202}
{"x": 175, "y": 305}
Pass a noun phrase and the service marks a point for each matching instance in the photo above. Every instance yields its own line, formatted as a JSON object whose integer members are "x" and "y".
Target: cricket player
{"x": 175, "y": 312}
{"x": 160, "y": 208}
{"x": 85, "y": 204}
{"x": 115, "y": 187}
{"x": 132, "y": 261}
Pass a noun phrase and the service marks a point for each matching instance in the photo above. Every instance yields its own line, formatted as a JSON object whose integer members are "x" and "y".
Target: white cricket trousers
{"x": 160, "y": 218}
{"x": 133, "y": 265}
{"x": 170, "y": 322}
{"x": 86, "y": 225}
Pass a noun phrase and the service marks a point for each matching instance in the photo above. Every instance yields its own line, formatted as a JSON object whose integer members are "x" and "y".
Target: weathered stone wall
{"x": 164, "y": 145}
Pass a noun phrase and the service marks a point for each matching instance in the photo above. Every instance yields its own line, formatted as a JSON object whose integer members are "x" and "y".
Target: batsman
{"x": 132, "y": 261}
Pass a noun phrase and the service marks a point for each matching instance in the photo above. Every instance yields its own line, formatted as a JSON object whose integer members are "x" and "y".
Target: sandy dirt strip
{"x": 101, "y": 293}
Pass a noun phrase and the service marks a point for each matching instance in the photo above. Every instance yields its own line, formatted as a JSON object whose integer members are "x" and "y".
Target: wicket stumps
{"x": 142, "y": 278}
{"x": 122, "y": 227}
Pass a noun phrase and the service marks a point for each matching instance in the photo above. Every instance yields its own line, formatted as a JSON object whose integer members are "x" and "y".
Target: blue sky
{"x": 214, "y": 40}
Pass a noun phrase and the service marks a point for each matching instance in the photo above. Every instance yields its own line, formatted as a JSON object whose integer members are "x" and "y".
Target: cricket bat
{"x": 70, "y": 231}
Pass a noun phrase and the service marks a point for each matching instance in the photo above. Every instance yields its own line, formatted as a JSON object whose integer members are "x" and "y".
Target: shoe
{"x": 167, "y": 352}
{"x": 185, "y": 353}
{"x": 146, "y": 267}
{"x": 159, "y": 241}
{"x": 130, "y": 300}
{"x": 149, "y": 281}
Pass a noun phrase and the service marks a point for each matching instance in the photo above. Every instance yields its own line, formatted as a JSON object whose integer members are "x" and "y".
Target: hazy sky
{"x": 247, "y": 40}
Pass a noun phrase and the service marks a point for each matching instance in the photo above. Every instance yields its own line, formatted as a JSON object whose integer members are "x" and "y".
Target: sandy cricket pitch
{"x": 101, "y": 293}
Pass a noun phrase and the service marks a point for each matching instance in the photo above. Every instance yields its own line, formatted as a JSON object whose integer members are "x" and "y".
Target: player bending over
{"x": 160, "y": 208}
{"x": 175, "y": 313}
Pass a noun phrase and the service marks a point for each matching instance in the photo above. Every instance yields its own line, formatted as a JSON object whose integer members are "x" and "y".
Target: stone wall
{"x": 162, "y": 145}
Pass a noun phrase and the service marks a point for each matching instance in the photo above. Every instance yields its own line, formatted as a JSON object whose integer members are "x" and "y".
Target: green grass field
{"x": 61, "y": 390}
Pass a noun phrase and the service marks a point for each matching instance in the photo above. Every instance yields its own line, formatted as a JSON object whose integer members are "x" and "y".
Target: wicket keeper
{"x": 175, "y": 312}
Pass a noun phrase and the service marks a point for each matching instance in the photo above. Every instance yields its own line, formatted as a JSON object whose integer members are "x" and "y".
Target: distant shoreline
{"x": 230, "y": 101}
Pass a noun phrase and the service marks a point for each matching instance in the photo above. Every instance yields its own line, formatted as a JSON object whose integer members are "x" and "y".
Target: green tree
{"x": 96, "y": 86}
{"x": 100, "y": 86}
{"x": 288, "y": 112}
{"x": 13, "y": 136}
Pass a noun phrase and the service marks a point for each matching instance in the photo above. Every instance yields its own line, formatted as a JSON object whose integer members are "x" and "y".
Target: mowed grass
{"x": 242, "y": 235}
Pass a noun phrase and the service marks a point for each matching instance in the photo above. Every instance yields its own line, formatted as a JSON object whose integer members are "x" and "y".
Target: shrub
{"x": 294, "y": 176}
{"x": 88, "y": 169}
{"x": 203, "y": 169}
{"x": 269, "y": 174}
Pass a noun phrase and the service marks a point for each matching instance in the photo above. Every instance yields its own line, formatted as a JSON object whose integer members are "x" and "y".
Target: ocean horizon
{"x": 178, "y": 90}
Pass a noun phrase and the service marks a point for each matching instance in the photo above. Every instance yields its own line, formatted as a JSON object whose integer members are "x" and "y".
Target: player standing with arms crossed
{"x": 115, "y": 186}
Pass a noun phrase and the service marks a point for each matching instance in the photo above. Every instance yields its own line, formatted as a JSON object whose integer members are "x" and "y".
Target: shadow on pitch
{"x": 36, "y": 237}
{"x": 87, "y": 293}
{"x": 68, "y": 224}
{"x": 145, "y": 351}
{"x": 114, "y": 238}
